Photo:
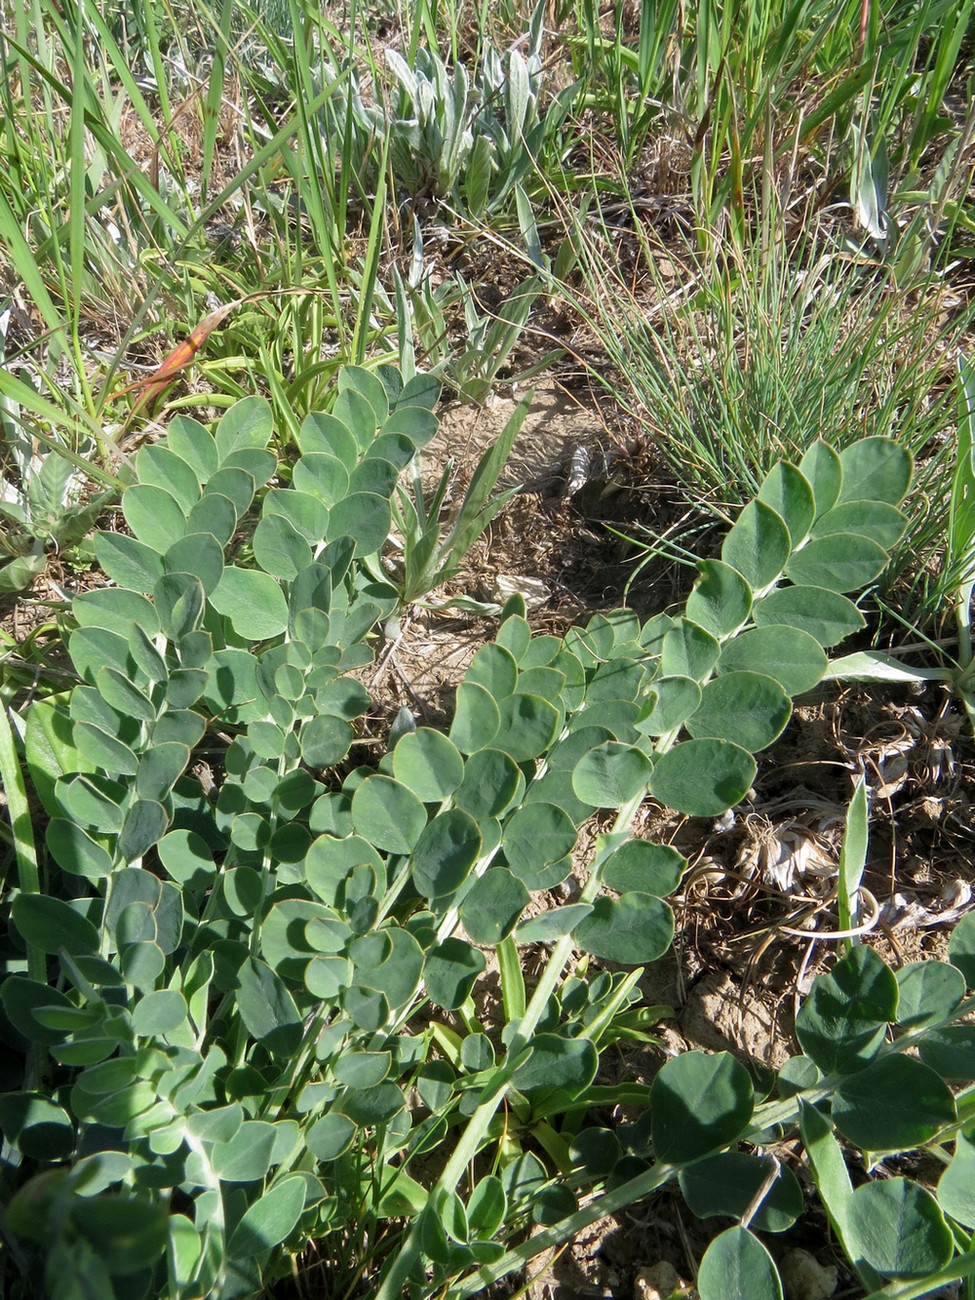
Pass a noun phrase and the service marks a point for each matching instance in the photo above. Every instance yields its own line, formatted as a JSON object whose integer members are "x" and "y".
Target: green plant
{"x": 216, "y": 978}
{"x": 434, "y": 536}
{"x": 42, "y": 502}
{"x": 954, "y": 585}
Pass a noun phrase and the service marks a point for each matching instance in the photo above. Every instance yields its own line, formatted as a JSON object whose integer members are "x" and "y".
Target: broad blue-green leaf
{"x": 93, "y": 647}
{"x": 248, "y": 423}
{"x": 898, "y": 1228}
{"x": 557, "y": 1068}
{"x": 246, "y": 1158}
{"x": 490, "y": 785}
{"x": 670, "y": 702}
{"x": 388, "y": 814}
{"x": 758, "y": 545}
{"x": 950, "y": 1051}
{"x": 164, "y": 762}
{"x": 616, "y": 679}
{"x": 393, "y": 970}
{"x": 876, "y": 519}
{"x": 956, "y": 1189}
{"x": 330, "y": 1136}
{"x": 233, "y": 483}
{"x": 49, "y": 924}
{"x": 122, "y": 695}
{"x": 961, "y": 948}
{"x": 194, "y": 443}
{"x": 216, "y": 514}
{"x": 127, "y": 561}
{"x": 373, "y": 1105}
{"x": 875, "y": 469}
{"x": 39, "y": 1129}
{"x": 720, "y": 600}
{"x": 843, "y": 1022}
{"x": 164, "y": 468}
{"x": 790, "y": 494}
{"x": 146, "y": 822}
{"x": 548, "y": 926}
{"x": 92, "y": 800}
{"x": 154, "y": 516}
{"x": 450, "y": 971}
{"x": 736, "y": 1266}
{"x": 895, "y": 1104}
{"x": 76, "y": 852}
{"x": 528, "y": 725}
{"x": 702, "y": 778}
{"x": 180, "y": 602}
{"x": 279, "y": 548}
{"x": 535, "y": 835}
{"x": 267, "y": 1008}
{"x": 747, "y": 708}
{"x": 253, "y": 602}
{"x": 429, "y": 763}
{"x": 325, "y": 740}
{"x": 321, "y": 433}
{"x": 159, "y": 1013}
{"x": 363, "y": 516}
{"x": 632, "y": 929}
{"x": 821, "y": 467}
{"x": 494, "y": 668}
{"x": 610, "y": 775}
{"x": 792, "y": 657}
{"x": 491, "y": 909}
{"x": 303, "y": 511}
{"x": 115, "y": 609}
{"x": 929, "y": 992}
{"x": 187, "y": 859}
{"x": 476, "y": 719}
{"x": 699, "y": 1103}
{"x": 838, "y": 562}
{"x": 271, "y": 1219}
{"x": 688, "y": 651}
{"x": 825, "y": 615}
{"x": 727, "y": 1184}
{"x": 645, "y": 867}
{"x": 445, "y": 852}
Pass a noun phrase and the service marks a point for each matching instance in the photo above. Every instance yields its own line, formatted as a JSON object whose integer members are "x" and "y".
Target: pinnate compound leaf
{"x": 825, "y": 615}
{"x": 702, "y": 778}
{"x": 50, "y": 924}
{"x": 838, "y": 562}
{"x": 843, "y": 1022}
{"x": 271, "y": 1219}
{"x": 726, "y": 1184}
{"x": 699, "y": 1103}
{"x": 895, "y": 1104}
{"x": 388, "y": 814}
{"x": 790, "y": 656}
{"x": 744, "y": 707}
{"x": 721, "y": 598}
{"x": 736, "y": 1266}
{"x": 610, "y": 775}
{"x": 758, "y": 545}
{"x": 875, "y": 469}
{"x": 898, "y": 1228}
{"x": 253, "y": 602}
{"x": 632, "y": 929}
